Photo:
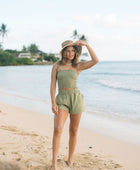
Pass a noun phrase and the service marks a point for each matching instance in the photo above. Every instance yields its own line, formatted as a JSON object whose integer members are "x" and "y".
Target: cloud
{"x": 104, "y": 40}
{"x": 52, "y": 4}
{"x": 47, "y": 41}
{"x": 108, "y": 20}
{"x": 84, "y": 19}
{"x": 115, "y": 40}
{"x": 69, "y": 27}
{"x": 112, "y": 20}
{"x": 136, "y": 18}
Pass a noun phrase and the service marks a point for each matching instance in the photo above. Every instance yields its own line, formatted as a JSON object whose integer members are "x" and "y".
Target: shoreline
{"x": 27, "y": 141}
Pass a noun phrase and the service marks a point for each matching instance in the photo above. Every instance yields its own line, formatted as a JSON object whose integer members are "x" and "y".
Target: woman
{"x": 69, "y": 99}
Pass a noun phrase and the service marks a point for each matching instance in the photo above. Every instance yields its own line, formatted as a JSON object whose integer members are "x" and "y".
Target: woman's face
{"x": 70, "y": 52}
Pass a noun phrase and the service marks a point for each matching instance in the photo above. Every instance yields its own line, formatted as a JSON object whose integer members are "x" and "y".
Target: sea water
{"x": 111, "y": 92}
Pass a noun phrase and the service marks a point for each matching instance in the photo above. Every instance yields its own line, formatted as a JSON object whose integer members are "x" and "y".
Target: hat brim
{"x": 72, "y": 44}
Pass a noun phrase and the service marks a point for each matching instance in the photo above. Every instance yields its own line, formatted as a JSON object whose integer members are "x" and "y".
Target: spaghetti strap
{"x": 59, "y": 67}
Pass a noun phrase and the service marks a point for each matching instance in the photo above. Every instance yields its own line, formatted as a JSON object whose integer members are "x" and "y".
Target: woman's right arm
{"x": 53, "y": 88}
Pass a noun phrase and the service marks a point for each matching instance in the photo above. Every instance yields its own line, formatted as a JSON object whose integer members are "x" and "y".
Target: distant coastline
{"x": 43, "y": 63}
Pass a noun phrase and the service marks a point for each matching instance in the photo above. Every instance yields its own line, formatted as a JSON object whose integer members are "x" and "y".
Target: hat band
{"x": 66, "y": 45}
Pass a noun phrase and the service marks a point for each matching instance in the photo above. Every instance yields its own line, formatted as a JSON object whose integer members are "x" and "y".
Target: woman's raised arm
{"x": 87, "y": 64}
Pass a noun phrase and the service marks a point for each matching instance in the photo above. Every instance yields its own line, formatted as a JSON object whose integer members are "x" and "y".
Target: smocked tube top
{"x": 67, "y": 78}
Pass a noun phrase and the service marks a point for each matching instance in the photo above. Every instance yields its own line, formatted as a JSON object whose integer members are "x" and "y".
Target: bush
{"x": 9, "y": 59}
{"x": 50, "y": 57}
{"x": 13, "y": 52}
{"x": 26, "y": 61}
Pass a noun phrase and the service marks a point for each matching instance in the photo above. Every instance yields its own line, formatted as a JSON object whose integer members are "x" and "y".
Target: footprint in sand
{"x": 3, "y": 112}
{"x": 88, "y": 161}
{"x": 9, "y": 166}
{"x": 17, "y": 131}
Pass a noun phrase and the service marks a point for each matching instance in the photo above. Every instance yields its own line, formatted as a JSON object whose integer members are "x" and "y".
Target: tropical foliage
{"x": 79, "y": 36}
{"x": 8, "y": 59}
{"x": 3, "y": 33}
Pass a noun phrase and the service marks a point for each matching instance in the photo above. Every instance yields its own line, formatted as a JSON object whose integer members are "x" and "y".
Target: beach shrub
{"x": 13, "y": 52}
{"x": 9, "y": 59}
{"x": 6, "y": 58}
{"x": 50, "y": 57}
{"x": 24, "y": 61}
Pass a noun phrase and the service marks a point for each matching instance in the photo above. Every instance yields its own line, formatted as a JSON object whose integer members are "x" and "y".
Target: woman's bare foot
{"x": 53, "y": 167}
{"x": 69, "y": 163}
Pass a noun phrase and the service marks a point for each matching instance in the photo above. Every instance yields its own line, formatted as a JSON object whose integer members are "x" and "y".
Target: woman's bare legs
{"x": 73, "y": 129}
{"x": 59, "y": 121}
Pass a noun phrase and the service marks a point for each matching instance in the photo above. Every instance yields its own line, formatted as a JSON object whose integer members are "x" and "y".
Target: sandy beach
{"x": 26, "y": 143}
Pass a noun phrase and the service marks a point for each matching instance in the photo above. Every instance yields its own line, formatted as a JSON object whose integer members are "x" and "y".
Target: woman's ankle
{"x": 69, "y": 162}
{"x": 53, "y": 167}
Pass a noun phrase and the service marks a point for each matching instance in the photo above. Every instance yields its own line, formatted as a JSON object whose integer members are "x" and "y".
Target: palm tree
{"x": 3, "y": 31}
{"x": 78, "y": 36}
{"x": 82, "y": 37}
{"x": 75, "y": 34}
{"x": 24, "y": 49}
{"x": 0, "y": 46}
{"x": 33, "y": 49}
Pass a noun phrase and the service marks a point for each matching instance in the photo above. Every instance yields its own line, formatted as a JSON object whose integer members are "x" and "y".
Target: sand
{"x": 26, "y": 143}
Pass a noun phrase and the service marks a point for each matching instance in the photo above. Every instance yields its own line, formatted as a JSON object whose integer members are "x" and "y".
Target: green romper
{"x": 71, "y": 99}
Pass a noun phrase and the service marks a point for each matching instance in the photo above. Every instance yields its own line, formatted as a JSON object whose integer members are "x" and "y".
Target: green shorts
{"x": 71, "y": 100}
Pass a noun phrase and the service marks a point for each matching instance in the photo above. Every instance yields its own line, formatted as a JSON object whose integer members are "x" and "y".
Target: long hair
{"x": 75, "y": 60}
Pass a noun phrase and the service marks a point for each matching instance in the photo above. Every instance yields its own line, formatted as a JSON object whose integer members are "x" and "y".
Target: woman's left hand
{"x": 80, "y": 42}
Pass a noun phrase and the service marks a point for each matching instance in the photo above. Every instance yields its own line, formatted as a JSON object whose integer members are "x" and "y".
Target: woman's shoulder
{"x": 56, "y": 66}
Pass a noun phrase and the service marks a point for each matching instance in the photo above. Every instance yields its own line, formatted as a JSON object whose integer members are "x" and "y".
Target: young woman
{"x": 69, "y": 99}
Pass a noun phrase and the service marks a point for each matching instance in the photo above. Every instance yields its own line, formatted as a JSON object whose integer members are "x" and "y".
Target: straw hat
{"x": 70, "y": 43}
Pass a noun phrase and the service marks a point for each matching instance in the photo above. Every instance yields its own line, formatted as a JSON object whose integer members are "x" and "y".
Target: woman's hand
{"x": 55, "y": 108}
{"x": 80, "y": 42}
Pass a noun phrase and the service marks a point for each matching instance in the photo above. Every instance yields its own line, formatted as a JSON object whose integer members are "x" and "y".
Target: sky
{"x": 112, "y": 27}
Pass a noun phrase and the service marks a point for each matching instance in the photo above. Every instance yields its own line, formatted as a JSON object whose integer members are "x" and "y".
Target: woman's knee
{"x": 58, "y": 130}
{"x": 73, "y": 131}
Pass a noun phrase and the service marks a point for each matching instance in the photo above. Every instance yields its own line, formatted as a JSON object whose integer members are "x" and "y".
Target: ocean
{"x": 111, "y": 91}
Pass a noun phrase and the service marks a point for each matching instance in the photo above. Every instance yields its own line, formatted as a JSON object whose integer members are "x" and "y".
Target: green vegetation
{"x": 33, "y": 49}
{"x": 3, "y": 33}
{"x": 79, "y": 36}
{"x": 50, "y": 57}
{"x": 13, "y": 52}
{"x": 11, "y": 57}
{"x": 8, "y": 59}
{"x": 25, "y": 61}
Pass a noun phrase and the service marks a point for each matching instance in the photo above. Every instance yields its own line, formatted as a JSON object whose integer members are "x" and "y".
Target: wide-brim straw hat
{"x": 70, "y": 43}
